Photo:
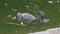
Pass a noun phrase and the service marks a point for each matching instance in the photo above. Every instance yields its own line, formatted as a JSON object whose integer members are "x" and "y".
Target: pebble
{"x": 6, "y": 4}
{"x": 50, "y": 2}
{"x": 14, "y": 10}
{"x": 14, "y": 17}
{"x": 23, "y": 24}
{"x": 27, "y": 6}
{"x": 59, "y": 10}
{"x": 9, "y": 16}
{"x": 46, "y": 20}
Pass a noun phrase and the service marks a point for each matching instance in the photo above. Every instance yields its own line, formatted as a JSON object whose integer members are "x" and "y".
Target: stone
{"x": 27, "y": 6}
{"x": 46, "y": 20}
{"x": 50, "y": 2}
{"x": 14, "y": 17}
{"x": 49, "y": 31}
{"x": 6, "y": 4}
{"x": 9, "y": 16}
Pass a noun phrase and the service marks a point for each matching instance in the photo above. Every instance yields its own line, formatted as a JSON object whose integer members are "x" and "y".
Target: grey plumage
{"x": 26, "y": 17}
{"x": 41, "y": 16}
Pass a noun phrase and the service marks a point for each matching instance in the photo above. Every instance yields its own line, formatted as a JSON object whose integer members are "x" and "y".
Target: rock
{"x": 14, "y": 10}
{"x": 27, "y": 6}
{"x": 23, "y": 24}
{"x": 59, "y": 10}
{"x": 50, "y": 2}
{"x": 49, "y": 31}
{"x": 9, "y": 16}
{"x": 46, "y": 20}
{"x": 6, "y": 4}
{"x": 14, "y": 17}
